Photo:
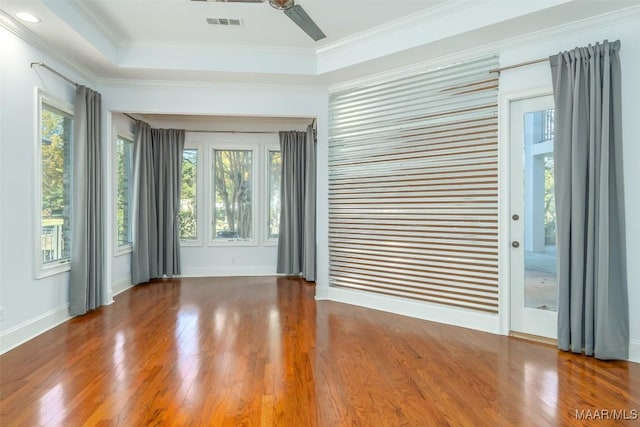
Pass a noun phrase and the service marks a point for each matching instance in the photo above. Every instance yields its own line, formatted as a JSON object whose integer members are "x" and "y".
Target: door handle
{"x": 515, "y": 244}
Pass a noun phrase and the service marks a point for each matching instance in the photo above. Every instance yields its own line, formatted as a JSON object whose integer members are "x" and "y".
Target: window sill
{"x": 122, "y": 250}
{"x": 232, "y": 243}
{"x": 52, "y": 270}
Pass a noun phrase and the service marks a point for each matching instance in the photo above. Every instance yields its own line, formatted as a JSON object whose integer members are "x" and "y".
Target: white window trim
{"x": 264, "y": 233}
{"x": 42, "y": 269}
{"x": 201, "y": 170}
{"x": 255, "y": 149}
{"x": 118, "y": 250}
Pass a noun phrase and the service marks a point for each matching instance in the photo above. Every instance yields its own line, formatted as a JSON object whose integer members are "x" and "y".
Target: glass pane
{"x": 56, "y": 184}
{"x": 233, "y": 198}
{"x": 275, "y": 163}
{"x": 124, "y": 159}
{"x": 540, "y": 212}
{"x": 188, "y": 195}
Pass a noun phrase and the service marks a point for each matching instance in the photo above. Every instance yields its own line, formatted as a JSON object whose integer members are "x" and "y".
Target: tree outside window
{"x": 232, "y": 172}
{"x": 124, "y": 187}
{"x": 275, "y": 171}
{"x": 56, "y": 184}
{"x": 188, "y": 195}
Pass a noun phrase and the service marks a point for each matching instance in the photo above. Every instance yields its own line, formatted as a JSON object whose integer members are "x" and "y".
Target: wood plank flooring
{"x": 263, "y": 352}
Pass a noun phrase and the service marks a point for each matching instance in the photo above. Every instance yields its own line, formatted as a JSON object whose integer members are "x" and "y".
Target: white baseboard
{"x": 634, "y": 351}
{"x": 230, "y": 271}
{"x": 25, "y": 331}
{"x": 120, "y": 286}
{"x": 422, "y": 310}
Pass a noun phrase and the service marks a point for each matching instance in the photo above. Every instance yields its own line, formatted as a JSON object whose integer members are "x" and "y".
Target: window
{"x": 188, "y": 195}
{"x": 275, "y": 171}
{"x": 56, "y": 128}
{"x": 124, "y": 190}
{"x": 230, "y": 192}
{"x": 233, "y": 199}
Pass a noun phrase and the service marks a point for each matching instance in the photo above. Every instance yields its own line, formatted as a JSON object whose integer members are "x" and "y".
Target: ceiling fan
{"x": 294, "y": 11}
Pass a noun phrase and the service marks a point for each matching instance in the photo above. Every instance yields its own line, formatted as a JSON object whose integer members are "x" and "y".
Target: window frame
{"x": 255, "y": 202}
{"x": 43, "y": 269}
{"x": 266, "y": 239}
{"x": 201, "y": 202}
{"x": 119, "y": 250}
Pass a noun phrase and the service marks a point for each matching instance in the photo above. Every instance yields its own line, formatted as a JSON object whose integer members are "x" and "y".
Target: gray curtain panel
{"x": 296, "y": 244}
{"x": 593, "y": 308}
{"x": 157, "y": 178}
{"x": 87, "y": 226}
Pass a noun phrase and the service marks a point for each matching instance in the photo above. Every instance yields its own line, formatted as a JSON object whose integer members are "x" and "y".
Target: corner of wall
{"x": 120, "y": 286}
{"x": 322, "y": 292}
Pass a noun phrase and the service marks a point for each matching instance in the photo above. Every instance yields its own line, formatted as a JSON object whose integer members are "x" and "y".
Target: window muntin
{"x": 124, "y": 192}
{"x": 189, "y": 195}
{"x": 56, "y": 129}
{"x": 232, "y": 195}
{"x": 274, "y": 170}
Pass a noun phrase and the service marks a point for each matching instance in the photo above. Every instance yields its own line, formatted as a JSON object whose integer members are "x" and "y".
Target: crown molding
{"x": 105, "y": 32}
{"x": 20, "y": 31}
{"x": 217, "y": 47}
{"x": 319, "y": 89}
{"x": 564, "y": 30}
{"x": 78, "y": 20}
{"x": 451, "y": 20}
{"x": 441, "y": 10}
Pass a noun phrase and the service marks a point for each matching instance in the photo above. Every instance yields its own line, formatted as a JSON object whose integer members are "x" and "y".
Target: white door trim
{"x": 504, "y": 200}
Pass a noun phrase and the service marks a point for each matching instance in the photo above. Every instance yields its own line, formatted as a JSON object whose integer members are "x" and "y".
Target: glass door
{"x": 534, "y": 286}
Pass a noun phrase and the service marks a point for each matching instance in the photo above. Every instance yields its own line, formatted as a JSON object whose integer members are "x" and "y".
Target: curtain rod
{"x": 234, "y": 131}
{"x": 210, "y": 131}
{"x": 57, "y": 73}
{"x": 522, "y": 64}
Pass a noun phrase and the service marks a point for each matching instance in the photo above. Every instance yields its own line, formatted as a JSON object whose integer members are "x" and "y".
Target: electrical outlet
{"x": 1, "y": 314}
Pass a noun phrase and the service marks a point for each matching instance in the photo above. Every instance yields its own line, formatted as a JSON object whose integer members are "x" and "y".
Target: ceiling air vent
{"x": 225, "y": 21}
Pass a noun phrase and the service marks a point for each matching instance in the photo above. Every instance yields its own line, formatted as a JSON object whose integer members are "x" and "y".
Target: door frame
{"x": 504, "y": 199}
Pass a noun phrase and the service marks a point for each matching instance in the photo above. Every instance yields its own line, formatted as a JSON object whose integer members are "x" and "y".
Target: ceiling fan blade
{"x": 300, "y": 17}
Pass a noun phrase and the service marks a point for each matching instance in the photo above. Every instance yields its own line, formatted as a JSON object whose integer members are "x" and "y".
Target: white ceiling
{"x": 183, "y": 22}
{"x": 170, "y": 39}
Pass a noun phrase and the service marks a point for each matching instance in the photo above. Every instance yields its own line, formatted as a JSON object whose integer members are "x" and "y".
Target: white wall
{"x": 30, "y": 305}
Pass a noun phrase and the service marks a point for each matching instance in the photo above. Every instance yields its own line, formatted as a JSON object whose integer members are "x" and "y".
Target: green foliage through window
{"x": 124, "y": 189}
{"x": 275, "y": 172}
{"x": 549, "y": 203}
{"x": 56, "y": 129}
{"x": 188, "y": 195}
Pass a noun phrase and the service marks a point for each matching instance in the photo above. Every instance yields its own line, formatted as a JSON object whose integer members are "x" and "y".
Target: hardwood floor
{"x": 262, "y": 351}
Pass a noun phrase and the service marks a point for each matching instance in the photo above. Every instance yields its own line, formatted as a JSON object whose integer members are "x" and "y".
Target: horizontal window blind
{"x": 413, "y": 187}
